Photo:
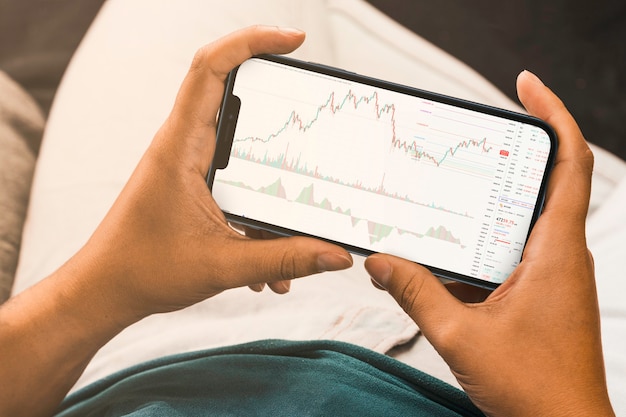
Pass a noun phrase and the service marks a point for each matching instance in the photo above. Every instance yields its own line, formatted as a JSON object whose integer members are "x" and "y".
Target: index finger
{"x": 212, "y": 63}
{"x": 190, "y": 128}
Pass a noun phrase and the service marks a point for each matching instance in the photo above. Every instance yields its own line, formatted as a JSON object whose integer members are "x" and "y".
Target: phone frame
{"x": 229, "y": 111}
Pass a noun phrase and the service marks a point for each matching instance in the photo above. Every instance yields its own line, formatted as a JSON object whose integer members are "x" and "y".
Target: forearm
{"x": 48, "y": 335}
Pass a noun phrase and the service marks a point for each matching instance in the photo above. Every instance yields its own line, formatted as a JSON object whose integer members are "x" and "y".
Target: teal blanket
{"x": 271, "y": 378}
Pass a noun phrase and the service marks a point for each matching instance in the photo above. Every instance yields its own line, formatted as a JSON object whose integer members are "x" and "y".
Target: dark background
{"x": 577, "y": 48}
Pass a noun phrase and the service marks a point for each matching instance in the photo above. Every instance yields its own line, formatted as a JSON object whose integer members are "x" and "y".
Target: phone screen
{"x": 378, "y": 167}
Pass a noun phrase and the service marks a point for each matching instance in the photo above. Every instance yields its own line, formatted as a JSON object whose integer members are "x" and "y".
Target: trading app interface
{"x": 447, "y": 187}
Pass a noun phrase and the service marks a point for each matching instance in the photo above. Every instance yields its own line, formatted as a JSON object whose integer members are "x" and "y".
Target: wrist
{"x": 593, "y": 401}
{"x": 95, "y": 296}
{"x": 50, "y": 332}
{"x": 568, "y": 399}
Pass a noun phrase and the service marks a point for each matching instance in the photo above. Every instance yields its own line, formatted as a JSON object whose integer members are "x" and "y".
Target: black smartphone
{"x": 306, "y": 149}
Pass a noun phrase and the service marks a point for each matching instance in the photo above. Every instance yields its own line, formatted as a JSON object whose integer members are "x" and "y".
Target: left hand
{"x": 165, "y": 242}
{"x": 164, "y": 245}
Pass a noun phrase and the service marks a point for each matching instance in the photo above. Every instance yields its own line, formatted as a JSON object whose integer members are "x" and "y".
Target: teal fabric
{"x": 271, "y": 378}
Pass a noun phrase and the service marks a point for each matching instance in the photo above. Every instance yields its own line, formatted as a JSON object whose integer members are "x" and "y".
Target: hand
{"x": 532, "y": 347}
{"x": 166, "y": 238}
{"x": 164, "y": 245}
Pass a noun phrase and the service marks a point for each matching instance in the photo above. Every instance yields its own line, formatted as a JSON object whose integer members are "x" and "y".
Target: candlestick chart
{"x": 371, "y": 168}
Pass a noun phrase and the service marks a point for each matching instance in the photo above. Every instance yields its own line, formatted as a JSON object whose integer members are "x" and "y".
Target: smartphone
{"x": 374, "y": 166}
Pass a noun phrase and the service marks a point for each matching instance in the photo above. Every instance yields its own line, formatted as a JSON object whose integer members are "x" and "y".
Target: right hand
{"x": 532, "y": 347}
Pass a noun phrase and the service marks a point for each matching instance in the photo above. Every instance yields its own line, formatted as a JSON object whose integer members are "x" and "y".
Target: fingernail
{"x": 379, "y": 270}
{"x": 290, "y": 30}
{"x": 333, "y": 262}
{"x": 532, "y": 77}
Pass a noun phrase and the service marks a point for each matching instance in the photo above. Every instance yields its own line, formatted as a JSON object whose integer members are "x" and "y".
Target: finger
{"x": 277, "y": 261}
{"x": 417, "y": 291}
{"x": 221, "y": 56}
{"x": 280, "y": 287}
{"x": 562, "y": 223}
{"x": 570, "y": 184}
{"x": 194, "y": 115}
{"x": 257, "y": 287}
{"x": 201, "y": 91}
{"x": 377, "y": 285}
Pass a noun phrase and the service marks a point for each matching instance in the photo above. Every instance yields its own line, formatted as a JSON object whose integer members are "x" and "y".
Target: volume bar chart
{"x": 376, "y": 231}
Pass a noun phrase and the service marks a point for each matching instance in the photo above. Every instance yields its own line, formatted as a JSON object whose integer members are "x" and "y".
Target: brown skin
{"x": 165, "y": 245}
{"x": 532, "y": 347}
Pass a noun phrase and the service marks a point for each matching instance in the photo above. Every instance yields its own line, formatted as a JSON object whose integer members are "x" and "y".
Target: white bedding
{"x": 121, "y": 85}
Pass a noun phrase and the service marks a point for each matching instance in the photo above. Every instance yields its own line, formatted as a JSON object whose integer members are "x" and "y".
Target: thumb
{"x": 417, "y": 290}
{"x": 574, "y": 161}
{"x": 252, "y": 262}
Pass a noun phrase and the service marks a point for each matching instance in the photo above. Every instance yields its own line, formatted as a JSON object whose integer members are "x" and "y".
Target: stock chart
{"x": 380, "y": 170}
